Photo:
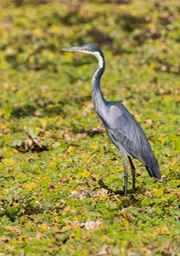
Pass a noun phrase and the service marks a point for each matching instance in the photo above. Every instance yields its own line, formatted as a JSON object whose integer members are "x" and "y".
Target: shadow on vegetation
{"x": 19, "y": 3}
{"x": 129, "y": 22}
{"x": 12, "y": 60}
{"x": 26, "y": 110}
{"x": 100, "y": 38}
{"x": 103, "y": 185}
{"x": 32, "y": 110}
{"x": 50, "y": 108}
{"x": 73, "y": 18}
{"x": 91, "y": 132}
{"x": 27, "y": 210}
{"x": 130, "y": 199}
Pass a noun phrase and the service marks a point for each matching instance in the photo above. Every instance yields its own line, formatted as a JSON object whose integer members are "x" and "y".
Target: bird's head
{"x": 86, "y": 48}
{"x": 91, "y": 49}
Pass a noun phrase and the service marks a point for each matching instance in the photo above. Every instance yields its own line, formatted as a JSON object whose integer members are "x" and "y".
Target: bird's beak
{"x": 73, "y": 49}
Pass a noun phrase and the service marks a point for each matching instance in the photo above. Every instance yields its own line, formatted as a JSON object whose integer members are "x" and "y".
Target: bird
{"x": 121, "y": 126}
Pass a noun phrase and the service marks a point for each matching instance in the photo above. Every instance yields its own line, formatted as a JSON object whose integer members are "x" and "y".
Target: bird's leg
{"x": 133, "y": 173}
{"x": 125, "y": 171}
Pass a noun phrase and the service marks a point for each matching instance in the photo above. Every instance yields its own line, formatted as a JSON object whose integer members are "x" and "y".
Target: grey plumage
{"x": 121, "y": 126}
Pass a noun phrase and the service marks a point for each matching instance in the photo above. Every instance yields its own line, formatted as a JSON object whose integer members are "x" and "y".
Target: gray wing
{"x": 124, "y": 131}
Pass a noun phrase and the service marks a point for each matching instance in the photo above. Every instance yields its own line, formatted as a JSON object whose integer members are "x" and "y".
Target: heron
{"x": 121, "y": 126}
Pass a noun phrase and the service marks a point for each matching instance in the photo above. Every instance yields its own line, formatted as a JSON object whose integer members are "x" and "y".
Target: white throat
{"x": 98, "y": 57}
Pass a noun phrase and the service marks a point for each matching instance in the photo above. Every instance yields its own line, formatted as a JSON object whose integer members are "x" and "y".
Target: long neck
{"x": 97, "y": 97}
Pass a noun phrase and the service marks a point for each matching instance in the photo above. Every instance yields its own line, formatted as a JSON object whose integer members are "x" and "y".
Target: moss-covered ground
{"x": 61, "y": 179}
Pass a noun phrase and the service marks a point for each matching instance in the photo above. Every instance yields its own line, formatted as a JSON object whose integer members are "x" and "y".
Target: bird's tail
{"x": 153, "y": 170}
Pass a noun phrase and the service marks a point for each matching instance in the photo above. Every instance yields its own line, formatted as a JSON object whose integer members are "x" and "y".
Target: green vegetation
{"x": 61, "y": 177}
